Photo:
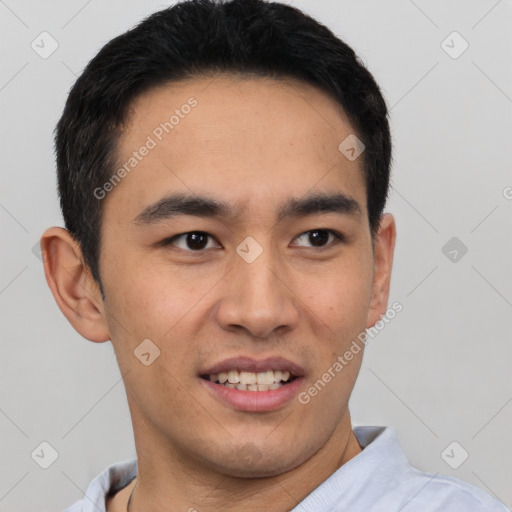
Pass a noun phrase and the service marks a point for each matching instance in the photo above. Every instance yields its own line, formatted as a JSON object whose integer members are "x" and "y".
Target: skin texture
{"x": 254, "y": 144}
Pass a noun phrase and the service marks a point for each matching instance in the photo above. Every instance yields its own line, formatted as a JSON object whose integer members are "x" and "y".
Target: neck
{"x": 167, "y": 482}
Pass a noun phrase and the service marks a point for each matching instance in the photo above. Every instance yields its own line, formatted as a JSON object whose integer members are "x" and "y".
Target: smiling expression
{"x": 240, "y": 246}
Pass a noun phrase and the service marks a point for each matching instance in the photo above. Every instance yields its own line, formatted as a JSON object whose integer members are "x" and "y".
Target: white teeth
{"x": 266, "y": 378}
{"x": 233, "y": 377}
{"x": 247, "y": 378}
{"x": 249, "y": 381}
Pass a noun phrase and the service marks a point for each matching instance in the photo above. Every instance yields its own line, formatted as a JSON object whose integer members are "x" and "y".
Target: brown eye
{"x": 196, "y": 241}
{"x": 193, "y": 241}
{"x": 317, "y": 238}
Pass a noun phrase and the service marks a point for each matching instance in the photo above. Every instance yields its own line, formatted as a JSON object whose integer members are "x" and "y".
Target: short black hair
{"x": 188, "y": 40}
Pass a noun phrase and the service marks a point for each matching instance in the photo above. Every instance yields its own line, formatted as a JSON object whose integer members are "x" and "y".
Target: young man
{"x": 223, "y": 170}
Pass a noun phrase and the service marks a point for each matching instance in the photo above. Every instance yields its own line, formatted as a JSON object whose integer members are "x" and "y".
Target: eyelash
{"x": 339, "y": 237}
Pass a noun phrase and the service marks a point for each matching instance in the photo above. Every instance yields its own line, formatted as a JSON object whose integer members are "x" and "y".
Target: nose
{"x": 258, "y": 299}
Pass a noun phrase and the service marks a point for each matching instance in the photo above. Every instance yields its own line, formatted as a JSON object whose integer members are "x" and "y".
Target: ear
{"x": 74, "y": 289}
{"x": 384, "y": 246}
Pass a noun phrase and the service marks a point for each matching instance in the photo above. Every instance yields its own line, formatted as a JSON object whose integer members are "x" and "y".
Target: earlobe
{"x": 384, "y": 247}
{"x": 72, "y": 285}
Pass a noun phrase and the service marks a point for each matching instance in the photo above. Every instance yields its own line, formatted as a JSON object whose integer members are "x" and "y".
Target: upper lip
{"x": 249, "y": 364}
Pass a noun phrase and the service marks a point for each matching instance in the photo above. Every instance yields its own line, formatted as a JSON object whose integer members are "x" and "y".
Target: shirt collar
{"x": 381, "y": 454}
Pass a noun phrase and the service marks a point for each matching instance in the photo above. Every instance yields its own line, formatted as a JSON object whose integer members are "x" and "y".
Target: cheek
{"x": 145, "y": 302}
{"x": 152, "y": 300}
{"x": 136, "y": 290}
{"x": 340, "y": 297}
{"x": 338, "y": 303}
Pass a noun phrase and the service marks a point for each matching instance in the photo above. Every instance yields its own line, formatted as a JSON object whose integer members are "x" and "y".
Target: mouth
{"x": 253, "y": 385}
{"x": 251, "y": 381}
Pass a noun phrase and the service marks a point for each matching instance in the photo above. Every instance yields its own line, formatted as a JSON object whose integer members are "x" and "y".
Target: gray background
{"x": 438, "y": 373}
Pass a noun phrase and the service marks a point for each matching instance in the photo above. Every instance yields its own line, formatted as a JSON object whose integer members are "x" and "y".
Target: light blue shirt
{"x": 379, "y": 479}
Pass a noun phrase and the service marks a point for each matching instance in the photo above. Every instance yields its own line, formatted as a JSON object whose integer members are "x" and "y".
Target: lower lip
{"x": 255, "y": 401}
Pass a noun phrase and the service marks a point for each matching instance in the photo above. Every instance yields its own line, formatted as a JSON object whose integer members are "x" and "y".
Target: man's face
{"x": 291, "y": 298}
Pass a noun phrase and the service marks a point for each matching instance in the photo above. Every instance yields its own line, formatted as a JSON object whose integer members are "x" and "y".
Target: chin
{"x": 258, "y": 461}
{"x": 268, "y": 468}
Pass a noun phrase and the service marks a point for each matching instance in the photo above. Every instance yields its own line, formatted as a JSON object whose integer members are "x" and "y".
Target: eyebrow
{"x": 201, "y": 206}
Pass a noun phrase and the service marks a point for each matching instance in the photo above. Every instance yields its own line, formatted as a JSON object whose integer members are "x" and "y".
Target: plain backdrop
{"x": 439, "y": 373}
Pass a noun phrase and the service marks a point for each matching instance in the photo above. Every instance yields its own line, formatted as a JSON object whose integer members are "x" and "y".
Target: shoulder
{"x": 106, "y": 484}
{"x": 386, "y": 480}
{"x": 436, "y": 493}
{"x": 77, "y": 507}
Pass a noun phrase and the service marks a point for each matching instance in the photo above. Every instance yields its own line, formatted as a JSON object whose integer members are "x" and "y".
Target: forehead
{"x": 249, "y": 140}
